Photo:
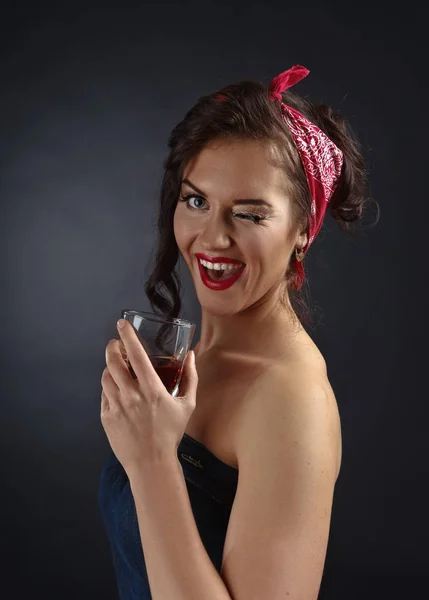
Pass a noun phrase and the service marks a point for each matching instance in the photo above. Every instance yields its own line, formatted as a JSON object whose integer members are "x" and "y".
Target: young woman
{"x": 244, "y": 511}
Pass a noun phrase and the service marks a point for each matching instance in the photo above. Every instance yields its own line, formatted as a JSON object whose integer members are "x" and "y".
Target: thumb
{"x": 189, "y": 380}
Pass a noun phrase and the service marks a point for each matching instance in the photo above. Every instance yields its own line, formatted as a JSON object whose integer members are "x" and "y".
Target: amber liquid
{"x": 167, "y": 367}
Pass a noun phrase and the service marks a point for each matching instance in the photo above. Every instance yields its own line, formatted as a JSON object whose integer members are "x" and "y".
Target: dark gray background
{"x": 89, "y": 95}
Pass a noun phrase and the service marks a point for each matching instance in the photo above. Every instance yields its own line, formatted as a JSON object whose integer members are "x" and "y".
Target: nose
{"x": 215, "y": 234}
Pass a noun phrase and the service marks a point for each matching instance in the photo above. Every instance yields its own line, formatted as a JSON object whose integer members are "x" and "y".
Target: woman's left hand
{"x": 143, "y": 422}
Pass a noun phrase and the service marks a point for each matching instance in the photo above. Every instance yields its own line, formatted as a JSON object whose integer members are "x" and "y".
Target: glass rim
{"x": 158, "y": 318}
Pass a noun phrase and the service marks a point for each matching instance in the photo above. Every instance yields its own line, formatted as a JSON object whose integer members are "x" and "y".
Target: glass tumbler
{"x": 166, "y": 341}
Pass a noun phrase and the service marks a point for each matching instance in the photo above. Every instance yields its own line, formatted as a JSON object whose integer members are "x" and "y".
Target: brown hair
{"x": 247, "y": 112}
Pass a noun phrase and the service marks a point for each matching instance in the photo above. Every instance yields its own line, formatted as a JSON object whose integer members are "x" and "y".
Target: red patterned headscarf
{"x": 321, "y": 158}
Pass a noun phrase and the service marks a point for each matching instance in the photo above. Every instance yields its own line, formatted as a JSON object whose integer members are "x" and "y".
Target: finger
{"x": 105, "y": 406}
{"x": 117, "y": 366}
{"x": 110, "y": 393}
{"x": 108, "y": 384}
{"x": 115, "y": 400}
{"x": 147, "y": 377}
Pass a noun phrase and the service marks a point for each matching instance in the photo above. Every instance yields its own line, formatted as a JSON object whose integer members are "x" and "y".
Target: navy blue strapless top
{"x": 211, "y": 485}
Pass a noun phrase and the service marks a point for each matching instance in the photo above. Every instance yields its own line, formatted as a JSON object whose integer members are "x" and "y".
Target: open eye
{"x": 188, "y": 197}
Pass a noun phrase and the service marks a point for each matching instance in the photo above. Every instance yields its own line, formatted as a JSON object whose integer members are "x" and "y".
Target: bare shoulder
{"x": 296, "y": 397}
{"x": 287, "y": 451}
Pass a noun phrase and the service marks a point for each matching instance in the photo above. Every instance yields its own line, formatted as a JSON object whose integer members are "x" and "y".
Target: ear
{"x": 302, "y": 239}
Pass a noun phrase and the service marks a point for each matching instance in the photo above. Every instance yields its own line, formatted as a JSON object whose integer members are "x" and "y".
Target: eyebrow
{"x": 254, "y": 201}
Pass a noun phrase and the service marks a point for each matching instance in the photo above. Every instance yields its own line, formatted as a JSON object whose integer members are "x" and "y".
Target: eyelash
{"x": 247, "y": 216}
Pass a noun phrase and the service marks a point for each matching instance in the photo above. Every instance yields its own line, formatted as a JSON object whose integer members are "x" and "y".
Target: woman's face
{"x": 238, "y": 206}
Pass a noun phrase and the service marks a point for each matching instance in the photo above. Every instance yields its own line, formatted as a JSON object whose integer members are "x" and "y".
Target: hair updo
{"x": 244, "y": 111}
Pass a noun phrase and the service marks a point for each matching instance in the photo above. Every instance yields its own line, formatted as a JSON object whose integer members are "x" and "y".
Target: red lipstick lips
{"x": 223, "y": 284}
{"x": 218, "y": 259}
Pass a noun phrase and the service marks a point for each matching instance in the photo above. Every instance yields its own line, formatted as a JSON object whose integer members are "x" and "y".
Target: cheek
{"x": 269, "y": 248}
{"x": 182, "y": 231}
{"x": 177, "y": 228}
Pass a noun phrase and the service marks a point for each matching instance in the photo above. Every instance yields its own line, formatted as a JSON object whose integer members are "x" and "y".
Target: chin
{"x": 216, "y": 308}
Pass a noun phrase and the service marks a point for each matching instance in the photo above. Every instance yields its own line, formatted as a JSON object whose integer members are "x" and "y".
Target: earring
{"x": 299, "y": 254}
